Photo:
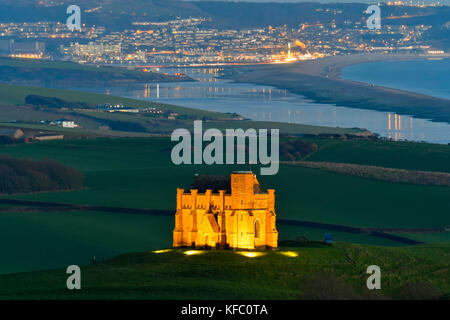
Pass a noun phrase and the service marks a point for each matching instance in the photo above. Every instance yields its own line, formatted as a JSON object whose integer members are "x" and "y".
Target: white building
{"x": 69, "y": 124}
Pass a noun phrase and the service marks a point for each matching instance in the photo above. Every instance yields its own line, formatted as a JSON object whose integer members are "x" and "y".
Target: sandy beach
{"x": 319, "y": 80}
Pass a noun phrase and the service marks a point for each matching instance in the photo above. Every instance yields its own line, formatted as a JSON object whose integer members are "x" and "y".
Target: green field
{"x": 138, "y": 173}
{"x": 438, "y": 237}
{"x": 333, "y": 272}
{"x": 404, "y": 155}
{"x": 80, "y": 235}
{"x": 83, "y": 234}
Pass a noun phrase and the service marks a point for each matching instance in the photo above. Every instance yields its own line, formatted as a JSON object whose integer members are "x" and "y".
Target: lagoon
{"x": 259, "y": 102}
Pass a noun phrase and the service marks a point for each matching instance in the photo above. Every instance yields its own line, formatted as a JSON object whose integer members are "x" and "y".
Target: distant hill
{"x": 118, "y": 14}
{"x": 114, "y": 14}
{"x": 57, "y": 72}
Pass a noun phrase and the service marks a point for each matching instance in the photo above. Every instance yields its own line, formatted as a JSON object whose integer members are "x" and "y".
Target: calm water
{"x": 431, "y": 77}
{"x": 267, "y": 103}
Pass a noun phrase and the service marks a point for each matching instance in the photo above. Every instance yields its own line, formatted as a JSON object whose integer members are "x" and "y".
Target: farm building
{"x": 46, "y": 137}
{"x": 11, "y": 133}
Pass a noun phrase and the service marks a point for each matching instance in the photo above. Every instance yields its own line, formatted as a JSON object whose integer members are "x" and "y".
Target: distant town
{"x": 193, "y": 42}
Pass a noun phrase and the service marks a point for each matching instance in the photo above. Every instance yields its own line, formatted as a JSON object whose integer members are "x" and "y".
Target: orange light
{"x": 300, "y": 44}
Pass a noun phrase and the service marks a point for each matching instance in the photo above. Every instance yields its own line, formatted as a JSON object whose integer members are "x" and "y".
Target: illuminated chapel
{"x": 226, "y": 212}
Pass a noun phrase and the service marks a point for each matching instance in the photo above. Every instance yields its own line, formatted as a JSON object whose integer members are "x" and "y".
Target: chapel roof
{"x": 203, "y": 182}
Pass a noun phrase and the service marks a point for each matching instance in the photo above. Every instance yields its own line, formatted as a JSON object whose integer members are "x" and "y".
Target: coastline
{"x": 330, "y": 67}
{"x": 320, "y": 81}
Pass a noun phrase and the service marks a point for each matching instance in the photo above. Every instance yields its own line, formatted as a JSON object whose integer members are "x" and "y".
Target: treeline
{"x": 293, "y": 150}
{"x": 24, "y": 176}
{"x": 52, "y": 102}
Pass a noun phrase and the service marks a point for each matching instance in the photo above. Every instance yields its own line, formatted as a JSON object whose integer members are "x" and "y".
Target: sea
{"x": 427, "y": 76}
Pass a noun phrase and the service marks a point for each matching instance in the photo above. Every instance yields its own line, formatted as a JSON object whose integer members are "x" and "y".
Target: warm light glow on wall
{"x": 192, "y": 252}
{"x": 250, "y": 254}
{"x": 161, "y": 251}
{"x": 291, "y": 254}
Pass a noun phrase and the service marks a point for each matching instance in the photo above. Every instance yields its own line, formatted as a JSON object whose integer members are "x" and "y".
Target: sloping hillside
{"x": 314, "y": 271}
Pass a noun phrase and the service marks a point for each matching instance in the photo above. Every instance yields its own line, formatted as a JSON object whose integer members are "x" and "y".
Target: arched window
{"x": 257, "y": 229}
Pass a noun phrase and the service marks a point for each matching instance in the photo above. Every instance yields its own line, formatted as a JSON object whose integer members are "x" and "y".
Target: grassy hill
{"x": 313, "y": 271}
{"x": 138, "y": 173}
